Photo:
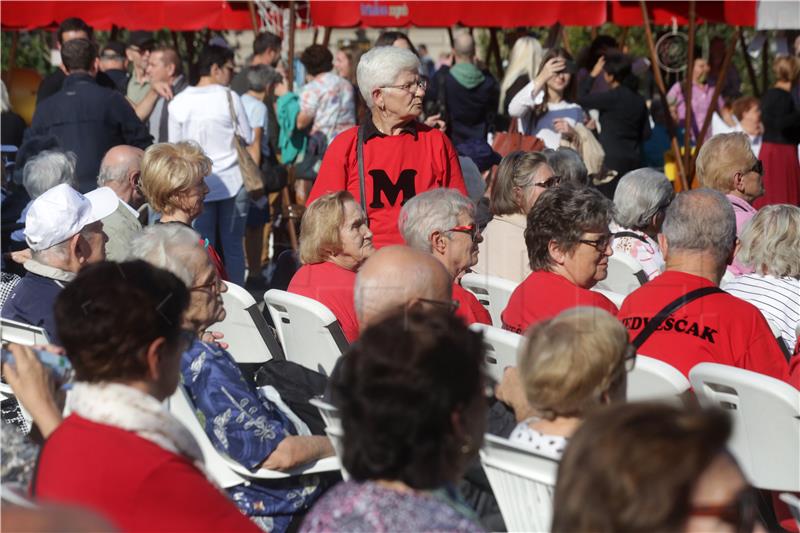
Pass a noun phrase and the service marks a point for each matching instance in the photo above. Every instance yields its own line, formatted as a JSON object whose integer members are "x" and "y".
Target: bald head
{"x": 397, "y": 276}
{"x": 464, "y": 46}
{"x": 119, "y": 171}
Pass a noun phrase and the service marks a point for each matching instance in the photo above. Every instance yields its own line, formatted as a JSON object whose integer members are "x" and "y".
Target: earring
{"x": 466, "y": 448}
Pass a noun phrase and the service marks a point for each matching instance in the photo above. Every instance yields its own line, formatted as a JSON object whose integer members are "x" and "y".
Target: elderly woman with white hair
{"x": 442, "y": 223}
{"x": 239, "y": 419}
{"x": 771, "y": 246}
{"x": 640, "y": 201}
{"x": 391, "y": 157}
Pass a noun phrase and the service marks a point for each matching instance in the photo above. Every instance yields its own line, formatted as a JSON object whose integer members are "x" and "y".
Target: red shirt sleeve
{"x": 469, "y": 308}
{"x": 453, "y": 179}
{"x": 177, "y": 497}
{"x": 763, "y": 354}
{"x": 333, "y": 172}
{"x": 604, "y": 303}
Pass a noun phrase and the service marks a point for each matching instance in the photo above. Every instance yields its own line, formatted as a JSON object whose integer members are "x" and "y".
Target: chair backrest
{"x": 522, "y": 481}
{"x": 793, "y": 502}
{"x": 625, "y": 274}
{"x": 181, "y": 408}
{"x": 766, "y": 422}
{"x": 309, "y": 332}
{"x": 652, "y": 379}
{"x": 247, "y": 333}
{"x": 615, "y": 297}
{"x": 333, "y": 428}
{"x": 501, "y": 348}
{"x": 20, "y": 333}
{"x": 492, "y": 292}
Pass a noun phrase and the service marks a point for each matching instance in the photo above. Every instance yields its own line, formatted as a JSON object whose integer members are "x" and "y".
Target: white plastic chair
{"x": 20, "y": 333}
{"x": 492, "y": 292}
{"x": 501, "y": 348}
{"x": 248, "y": 335}
{"x": 615, "y": 297}
{"x": 522, "y": 481}
{"x": 309, "y": 332}
{"x": 227, "y": 472}
{"x": 766, "y": 422}
{"x": 793, "y": 502}
{"x": 333, "y": 428}
{"x": 653, "y": 379}
{"x": 625, "y": 274}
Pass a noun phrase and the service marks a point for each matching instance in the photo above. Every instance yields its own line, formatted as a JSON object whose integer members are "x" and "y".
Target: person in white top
{"x": 745, "y": 116}
{"x": 521, "y": 178}
{"x": 770, "y": 243}
{"x": 202, "y": 114}
{"x": 640, "y": 201}
{"x": 546, "y": 105}
{"x": 568, "y": 366}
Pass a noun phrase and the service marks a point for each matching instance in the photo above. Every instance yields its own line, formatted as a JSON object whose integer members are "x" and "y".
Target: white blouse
{"x": 541, "y": 443}
{"x": 521, "y": 106}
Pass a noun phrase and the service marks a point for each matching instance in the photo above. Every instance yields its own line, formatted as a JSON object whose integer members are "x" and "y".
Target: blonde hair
{"x": 786, "y": 68}
{"x": 721, "y": 157}
{"x": 525, "y": 58}
{"x": 319, "y": 228}
{"x": 568, "y": 362}
{"x": 771, "y": 241}
{"x": 169, "y": 169}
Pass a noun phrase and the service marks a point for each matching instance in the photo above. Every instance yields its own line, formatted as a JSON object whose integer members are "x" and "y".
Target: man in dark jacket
{"x": 85, "y": 118}
{"x": 468, "y": 94}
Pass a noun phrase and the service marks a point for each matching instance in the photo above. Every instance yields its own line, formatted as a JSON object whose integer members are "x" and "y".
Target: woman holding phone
{"x": 546, "y": 106}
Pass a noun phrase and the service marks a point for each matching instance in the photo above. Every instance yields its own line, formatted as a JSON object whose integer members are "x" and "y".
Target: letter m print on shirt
{"x": 381, "y": 183}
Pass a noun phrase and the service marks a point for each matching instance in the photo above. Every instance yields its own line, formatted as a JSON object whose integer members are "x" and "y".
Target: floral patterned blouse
{"x": 244, "y": 425}
{"x": 354, "y": 507}
{"x": 643, "y": 249}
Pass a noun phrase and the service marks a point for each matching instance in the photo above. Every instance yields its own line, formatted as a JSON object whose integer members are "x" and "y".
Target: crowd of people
{"x": 129, "y": 209}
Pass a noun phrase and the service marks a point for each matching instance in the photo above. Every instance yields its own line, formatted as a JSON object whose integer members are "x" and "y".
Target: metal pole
{"x": 687, "y": 94}
{"x": 651, "y": 46}
{"x": 765, "y": 64}
{"x": 326, "y": 37}
{"x": 751, "y": 72}
{"x": 253, "y": 18}
{"x": 292, "y": 24}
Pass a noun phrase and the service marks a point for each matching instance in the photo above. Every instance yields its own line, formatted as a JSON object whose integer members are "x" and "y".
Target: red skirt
{"x": 781, "y": 175}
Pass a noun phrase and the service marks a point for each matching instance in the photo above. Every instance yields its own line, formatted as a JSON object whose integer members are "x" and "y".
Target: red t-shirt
{"x": 543, "y": 295}
{"x": 132, "y": 482}
{"x": 332, "y": 286}
{"x": 716, "y": 328}
{"x": 396, "y": 168}
{"x": 469, "y": 308}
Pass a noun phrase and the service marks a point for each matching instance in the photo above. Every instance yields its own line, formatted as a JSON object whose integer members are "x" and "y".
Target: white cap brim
{"x": 104, "y": 202}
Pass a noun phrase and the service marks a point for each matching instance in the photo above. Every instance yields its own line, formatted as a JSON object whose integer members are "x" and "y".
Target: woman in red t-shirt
{"x": 334, "y": 242}
{"x": 442, "y": 222}
{"x": 121, "y": 453}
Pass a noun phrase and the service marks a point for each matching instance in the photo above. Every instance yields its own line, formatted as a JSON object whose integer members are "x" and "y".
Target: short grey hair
{"x": 47, "y": 169}
{"x": 431, "y": 211}
{"x": 568, "y": 164}
{"x": 771, "y": 241}
{"x": 59, "y": 252}
{"x": 640, "y": 194}
{"x": 260, "y": 76}
{"x": 173, "y": 247}
{"x": 701, "y": 220}
{"x": 381, "y": 66}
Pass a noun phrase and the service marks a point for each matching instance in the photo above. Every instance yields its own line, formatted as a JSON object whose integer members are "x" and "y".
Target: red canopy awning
{"x": 147, "y": 15}
{"x": 398, "y": 13}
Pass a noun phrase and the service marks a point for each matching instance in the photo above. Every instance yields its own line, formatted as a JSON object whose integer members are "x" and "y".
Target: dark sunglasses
{"x": 741, "y": 513}
{"x": 549, "y": 183}
{"x": 758, "y": 168}
{"x": 450, "y": 306}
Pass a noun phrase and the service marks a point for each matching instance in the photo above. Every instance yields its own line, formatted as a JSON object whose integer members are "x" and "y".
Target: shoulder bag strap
{"x": 662, "y": 315}
{"x": 630, "y": 234}
{"x": 360, "y": 157}
{"x": 234, "y": 118}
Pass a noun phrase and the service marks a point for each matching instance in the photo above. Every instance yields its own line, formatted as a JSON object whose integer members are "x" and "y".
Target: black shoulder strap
{"x": 662, "y": 315}
{"x": 630, "y": 234}
{"x": 361, "y": 186}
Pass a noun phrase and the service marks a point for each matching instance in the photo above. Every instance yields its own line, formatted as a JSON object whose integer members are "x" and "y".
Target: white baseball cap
{"x": 62, "y": 212}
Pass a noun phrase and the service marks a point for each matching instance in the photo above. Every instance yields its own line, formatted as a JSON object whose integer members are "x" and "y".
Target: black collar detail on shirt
{"x": 371, "y": 130}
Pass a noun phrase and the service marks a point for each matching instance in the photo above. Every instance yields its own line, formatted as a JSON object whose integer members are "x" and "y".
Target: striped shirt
{"x": 778, "y": 299}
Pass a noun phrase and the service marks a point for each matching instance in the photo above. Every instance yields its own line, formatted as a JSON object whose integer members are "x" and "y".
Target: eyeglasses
{"x": 741, "y": 513}
{"x": 549, "y": 183}
{"x": 450, "y": 306}
{"x": 599, "y": 244}
{"x": 471, "y": 230}
{"x": 407, "y": 87}
{"x": 214, "y": 283}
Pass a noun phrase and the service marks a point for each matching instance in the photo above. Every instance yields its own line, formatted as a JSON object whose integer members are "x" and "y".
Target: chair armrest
{"x": 326, "y": 464}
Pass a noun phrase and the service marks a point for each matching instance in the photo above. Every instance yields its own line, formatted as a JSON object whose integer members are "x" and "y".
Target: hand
{"x": 510, "y": 392}
{"x": 598, "y": 67}
{"x": 33, "y": 386}
{"x": 562, "y": 126}
{"x": 213, "y": 337}
{"x": 162, "y": 88}
{"x": 21, "y": 256}
{"x": 435, "y": 121}
{"x": 591, "y": 124}
{"x": 294, "y": 451}
{"x": 551, "y": 68}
